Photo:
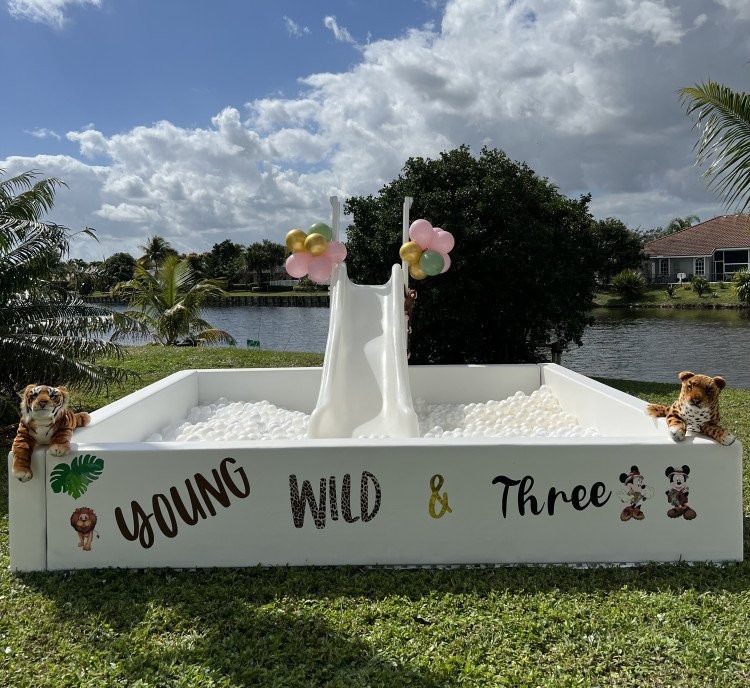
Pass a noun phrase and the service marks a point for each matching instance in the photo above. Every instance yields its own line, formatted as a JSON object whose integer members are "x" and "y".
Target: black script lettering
{"x": 197, "y": 508}
{"x": 245, "y": 491}
{"x": 580, "y": 497}
{"x": 142, "y": 529}
{"x": 164, "y": 506}
{"x": 364, "y": 497}
{"x": 508, "y": 482}
{"x": 217, "y": 491}
{"x": 598, "y": 490}
{"x": 170, "y": 530}
{"x": 305, "y": 496}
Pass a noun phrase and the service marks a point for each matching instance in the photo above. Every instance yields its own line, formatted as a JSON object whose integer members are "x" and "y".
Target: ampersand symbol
{"x": 436, "y": 482}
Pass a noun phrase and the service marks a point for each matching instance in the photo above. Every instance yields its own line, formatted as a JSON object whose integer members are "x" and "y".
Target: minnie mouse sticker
{"x": 634, "y": 494}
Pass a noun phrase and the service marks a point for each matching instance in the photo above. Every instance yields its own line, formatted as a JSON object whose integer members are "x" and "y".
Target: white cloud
{"x": 42, "y": 133}
{"x": 741, "y": 7}
{"x": 340, "y": 33}
{"x": 50, "y": 12}
{"x": 585, "y": 93}
{"x": 294, "y": 29}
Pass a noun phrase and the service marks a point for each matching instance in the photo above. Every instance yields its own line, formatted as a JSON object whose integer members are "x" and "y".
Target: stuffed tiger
{"x": 696, "y": 409}
{"x": 45, "y": 419}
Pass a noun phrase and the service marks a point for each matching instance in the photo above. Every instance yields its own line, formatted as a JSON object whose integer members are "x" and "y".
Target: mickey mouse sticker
{"x": 677, "y": 494}
{"x": 634, "y": 494}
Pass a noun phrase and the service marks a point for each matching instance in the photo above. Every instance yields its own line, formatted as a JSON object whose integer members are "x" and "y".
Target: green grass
{"x": 652, "y": 626}
{"x": 683, "y": 296}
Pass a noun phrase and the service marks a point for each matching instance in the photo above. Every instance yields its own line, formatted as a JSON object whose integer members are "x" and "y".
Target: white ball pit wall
{"x": 386, "y": 501}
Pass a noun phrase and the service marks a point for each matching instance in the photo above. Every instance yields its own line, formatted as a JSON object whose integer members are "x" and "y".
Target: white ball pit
{"x": 510, "y": 489}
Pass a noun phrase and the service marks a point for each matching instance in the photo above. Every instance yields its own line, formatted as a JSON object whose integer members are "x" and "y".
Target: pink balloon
{"x": 442, "y": 241}
{"x": 447, "y": 263}
{"x": 421, "y": 232}
{"x": 335, "y": 252}
{"x": 297, "y": 264}
{"x": 320, "y": 269}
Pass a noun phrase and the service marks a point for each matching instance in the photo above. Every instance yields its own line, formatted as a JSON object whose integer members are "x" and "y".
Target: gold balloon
{"x": 411, "y": 252}
{"x": 416, "y": 272}
{"x": 316, "y": 244}
{"x": 295, "y": 240}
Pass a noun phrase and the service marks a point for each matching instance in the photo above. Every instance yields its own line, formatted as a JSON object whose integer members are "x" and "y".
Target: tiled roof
{"x": 726, "y": 231}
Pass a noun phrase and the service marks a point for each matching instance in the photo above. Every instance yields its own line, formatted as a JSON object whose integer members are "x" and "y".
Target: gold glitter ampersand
{"x": 436, "y": 483}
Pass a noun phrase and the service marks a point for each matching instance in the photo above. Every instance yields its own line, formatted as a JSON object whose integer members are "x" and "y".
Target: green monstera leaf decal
{"x": 75, "y": 479}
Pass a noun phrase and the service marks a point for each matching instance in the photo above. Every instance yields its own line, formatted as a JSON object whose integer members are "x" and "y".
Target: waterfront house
{"x": 714, "y": 249}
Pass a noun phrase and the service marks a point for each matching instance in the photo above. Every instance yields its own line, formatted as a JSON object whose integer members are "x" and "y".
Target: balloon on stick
{"x": 321, "y": 228}
{"x": 297, "y": 264}
{"x": 411, "y": 252}
{"x": 442, "y": 241}
{"x": 431, "y": 263}
{"x": 421, "y": 232}
{"x": 320, "y": 269}
{"x": 335, "y": 252}
{"x": 295, "y": 240}
{"x": 316, "y": 244}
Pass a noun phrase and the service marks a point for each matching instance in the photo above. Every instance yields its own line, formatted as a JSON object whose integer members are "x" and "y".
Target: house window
{"x": 734, "y": 261}
{"x": 700, "y": 266}
{"x": 663, "y": 266}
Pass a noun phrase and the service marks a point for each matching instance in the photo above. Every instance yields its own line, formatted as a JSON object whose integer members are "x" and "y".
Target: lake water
{"x": 651, "y": 344}
{"x": 655, "y": 345}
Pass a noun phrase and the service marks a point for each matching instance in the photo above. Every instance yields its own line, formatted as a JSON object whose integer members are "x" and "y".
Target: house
{"x": 714, "y": 249}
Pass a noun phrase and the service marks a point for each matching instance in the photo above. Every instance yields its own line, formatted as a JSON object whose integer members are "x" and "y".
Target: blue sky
{"x": 201, "y": 121}
{"x": 133, "y": 62}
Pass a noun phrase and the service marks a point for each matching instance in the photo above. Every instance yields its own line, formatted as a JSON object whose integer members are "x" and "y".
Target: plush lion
{"x": 696, "y": 409}
{"x": 45, "y": 419}
{"x": 83, "y": 521}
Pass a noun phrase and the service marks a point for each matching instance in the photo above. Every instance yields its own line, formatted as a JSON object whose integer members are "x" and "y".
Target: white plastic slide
{"x": 365, "y": 385}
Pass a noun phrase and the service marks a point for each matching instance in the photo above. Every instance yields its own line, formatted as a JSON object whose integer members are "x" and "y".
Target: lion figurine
{"x": 83, "y": 521}
{"x": 696, "y": 409}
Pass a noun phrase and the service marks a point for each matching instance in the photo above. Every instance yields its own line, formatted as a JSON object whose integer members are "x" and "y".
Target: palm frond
{"x": 214, "y": 336}
{"x": 723, "y": 120}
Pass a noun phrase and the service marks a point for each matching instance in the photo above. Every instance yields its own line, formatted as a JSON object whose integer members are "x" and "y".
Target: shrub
{"x": 629, "y": 284}
{"x": 700, "y": 285}
{"x": 742, "y": 285}
{"x": 670, "y": 290}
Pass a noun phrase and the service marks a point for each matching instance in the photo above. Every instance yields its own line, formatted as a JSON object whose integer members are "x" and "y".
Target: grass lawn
{"x": 683, "y": 296}
{"x": 665, "y": 625}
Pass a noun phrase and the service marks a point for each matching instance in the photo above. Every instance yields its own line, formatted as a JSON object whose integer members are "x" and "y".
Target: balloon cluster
{"x": 313, "y": 253}
{"x": 427, "y": 252}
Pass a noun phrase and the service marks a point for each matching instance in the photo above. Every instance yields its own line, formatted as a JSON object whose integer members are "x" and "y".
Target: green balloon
{"x": 321, "y": 228}
{"x": 432, "y": 263}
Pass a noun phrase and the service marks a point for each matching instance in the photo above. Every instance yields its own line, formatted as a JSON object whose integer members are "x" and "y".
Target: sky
{"x": 202, "y": 121}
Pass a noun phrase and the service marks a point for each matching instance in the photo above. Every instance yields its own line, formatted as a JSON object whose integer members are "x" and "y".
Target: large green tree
{"x": 47, "y": 335}
{"x": 618, "y": 248}
{"x": 262, "y": 257}
{"x": 723, "y": 123}
{"x": 523, "y": 267}
{"x": 168, "y": 303}
{"x": 119, "y": 267}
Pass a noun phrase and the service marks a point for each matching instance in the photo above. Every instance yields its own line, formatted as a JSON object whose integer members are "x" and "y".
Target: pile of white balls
{"x": 536, "y": 415}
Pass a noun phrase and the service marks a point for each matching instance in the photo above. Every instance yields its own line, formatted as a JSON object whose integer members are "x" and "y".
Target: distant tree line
{"x": 234, "y": 265}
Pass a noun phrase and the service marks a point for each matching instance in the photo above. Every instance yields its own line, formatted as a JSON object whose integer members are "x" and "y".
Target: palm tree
{"x": 678, "y": 223}
{"x": 47, "y": 335}
{"x": 155, "y": 251}
{"x": 724, "y": 124}
{"x": 168, "y": 303}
